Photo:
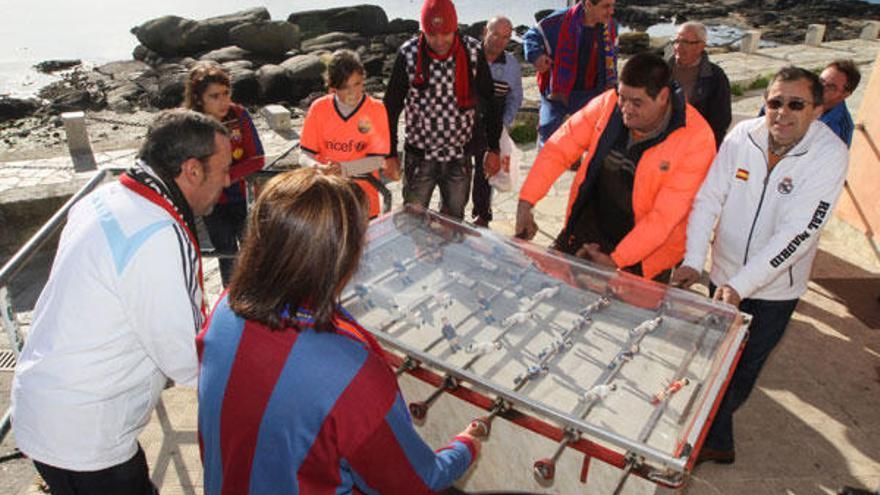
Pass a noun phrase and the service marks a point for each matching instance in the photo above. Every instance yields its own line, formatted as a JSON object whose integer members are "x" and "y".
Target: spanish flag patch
{"x": 742, "y": 174}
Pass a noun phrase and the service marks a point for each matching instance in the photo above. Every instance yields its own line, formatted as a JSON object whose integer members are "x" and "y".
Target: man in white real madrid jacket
{"x": 119, "y": 314}
{"x": 771, "y": 190}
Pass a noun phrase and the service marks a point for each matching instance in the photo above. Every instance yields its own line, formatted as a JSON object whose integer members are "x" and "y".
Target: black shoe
{"x": 848, "y": 490}
{"x": 719, "y": 456}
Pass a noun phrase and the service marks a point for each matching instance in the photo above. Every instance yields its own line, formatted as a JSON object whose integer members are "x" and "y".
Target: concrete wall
{"x": 861, "y": 207}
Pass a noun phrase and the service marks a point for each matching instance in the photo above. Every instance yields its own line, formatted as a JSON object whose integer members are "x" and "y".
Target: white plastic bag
{"x": 507, "y": 177}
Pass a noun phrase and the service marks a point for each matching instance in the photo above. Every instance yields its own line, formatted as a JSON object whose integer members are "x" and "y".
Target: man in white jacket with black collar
{"x": 119, "y": 314}
{"x": 771, "y": 189}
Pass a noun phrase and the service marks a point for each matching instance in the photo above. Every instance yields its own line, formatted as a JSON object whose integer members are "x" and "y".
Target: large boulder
{"x": 342, "y": 40}
{"x": 71, "y": 101}
{"x": 226, "y": 54}
{"x": 144, "y": 54}
{"x": 123, "y": 69}
{"x": 15, "y": 108}
{"x": 171, "y": 84}
{"x": 122, "y": 98}
{"x": 409, "y": 26}
{"x": 214, "y": 32}
{"x": 166, "y": 35}
{"x": 633, "y": 42}
{"x": 374, "y": 64}
{"x": 245, "y": 87}
{"x": 235, "y": 65}
{"x": 306, "y": 74}
{"x": 475, "y": 30}
{"x": 50, "y": 66}
{"x": 266, "y": 37}
{"x": 273, "y": 82}
{"x": 365, "y": 19}
{"x": 393, "y": 41}
{"x": 171, "y": 36}
{"x": 304, "y": 67}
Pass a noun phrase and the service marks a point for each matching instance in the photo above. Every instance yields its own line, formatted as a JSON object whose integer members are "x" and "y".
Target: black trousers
{"x": 132, "y": 477}
{"x": 481, "y": 192}
{"x": 769, "y": 321}
{"x": 226, "y": 228}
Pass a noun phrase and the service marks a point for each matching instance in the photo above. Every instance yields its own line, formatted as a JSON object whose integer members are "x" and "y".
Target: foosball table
{"x": 560, "y": 362}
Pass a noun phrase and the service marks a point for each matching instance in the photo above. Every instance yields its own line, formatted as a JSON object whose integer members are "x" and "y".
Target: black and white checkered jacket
{"x": 435, "y": 124}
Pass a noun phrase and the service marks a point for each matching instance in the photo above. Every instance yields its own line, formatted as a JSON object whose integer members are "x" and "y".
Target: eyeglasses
{"x": 830, "y": 86}
{"x": 793, "y": 105}
{"x": 679, "y": 41}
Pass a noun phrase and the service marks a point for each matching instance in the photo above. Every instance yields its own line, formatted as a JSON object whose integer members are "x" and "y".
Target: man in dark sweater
{"x": 438, "y": 78}
{"x": 705, "y": 85}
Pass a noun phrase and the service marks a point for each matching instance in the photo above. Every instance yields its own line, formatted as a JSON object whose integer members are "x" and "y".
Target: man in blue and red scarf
{"x": 575, "y": 53}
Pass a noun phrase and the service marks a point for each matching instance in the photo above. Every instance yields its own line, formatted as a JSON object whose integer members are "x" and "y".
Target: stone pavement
{"x": 811, "y": 425}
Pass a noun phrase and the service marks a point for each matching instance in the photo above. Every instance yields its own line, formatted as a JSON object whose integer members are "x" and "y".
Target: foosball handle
{"x": 418, "y": 410}
{"x": 545, "y": 469}
{"x": 485, "y": 426}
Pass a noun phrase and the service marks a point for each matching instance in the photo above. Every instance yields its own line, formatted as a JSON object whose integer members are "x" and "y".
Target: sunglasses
{"x": 793, "y": 105}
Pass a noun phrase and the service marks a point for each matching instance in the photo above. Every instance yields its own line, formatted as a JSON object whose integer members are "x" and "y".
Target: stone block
{"x": 750, "y": 41}
{"x": 815, "y": 34}
{"x": 78, "y": 141}
{"x": 870, "y": 31}
{"x": 277, "y": 117}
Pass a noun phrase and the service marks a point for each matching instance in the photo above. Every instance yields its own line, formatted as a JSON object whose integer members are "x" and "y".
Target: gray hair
{"x": 177, "y": 135}
{"x": 697, "y": 27}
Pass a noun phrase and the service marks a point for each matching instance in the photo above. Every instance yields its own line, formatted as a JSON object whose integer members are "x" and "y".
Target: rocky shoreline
{"x": 282, "y": 61}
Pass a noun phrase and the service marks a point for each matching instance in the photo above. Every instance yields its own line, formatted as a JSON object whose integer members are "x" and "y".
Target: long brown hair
{"x": 304, "y": 241}
{"x": 202, "y": 75}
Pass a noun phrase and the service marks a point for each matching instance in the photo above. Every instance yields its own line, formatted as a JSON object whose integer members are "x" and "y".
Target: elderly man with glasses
{"x": 704, "y": 83}
{"x": 769, "y": 193}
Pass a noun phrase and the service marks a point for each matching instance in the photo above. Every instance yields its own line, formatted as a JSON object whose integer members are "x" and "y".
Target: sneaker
{"x": 719, "y": 456}
{"x": 481, "y": 222}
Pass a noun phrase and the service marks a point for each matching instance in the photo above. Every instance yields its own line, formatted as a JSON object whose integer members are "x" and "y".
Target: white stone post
{"x": 815, "y": 34}
{"x": 277, "y": 117}
{"x": 749, "y": 41}
{"x": 78, "y": 141}
{"x": 870, "y": 31}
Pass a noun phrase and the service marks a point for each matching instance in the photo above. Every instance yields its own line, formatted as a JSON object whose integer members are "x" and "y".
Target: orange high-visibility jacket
{"x": 667, "y": 178}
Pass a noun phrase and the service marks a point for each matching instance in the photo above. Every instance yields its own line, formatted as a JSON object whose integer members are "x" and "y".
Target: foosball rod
{"x": 617, "y": 364}
{"x": 679, "y": 373}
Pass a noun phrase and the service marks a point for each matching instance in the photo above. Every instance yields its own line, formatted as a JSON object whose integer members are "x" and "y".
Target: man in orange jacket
{"x": 645, "y": 153}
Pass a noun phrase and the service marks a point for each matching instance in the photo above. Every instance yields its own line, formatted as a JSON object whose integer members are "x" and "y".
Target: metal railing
{"x": 19, "y": 260}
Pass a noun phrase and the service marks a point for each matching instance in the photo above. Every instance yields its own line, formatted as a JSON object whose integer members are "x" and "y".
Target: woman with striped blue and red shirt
{"x": 294, "y": 395}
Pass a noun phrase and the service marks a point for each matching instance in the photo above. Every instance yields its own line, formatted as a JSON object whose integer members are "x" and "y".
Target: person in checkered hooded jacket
{"x": 438, "y": 78}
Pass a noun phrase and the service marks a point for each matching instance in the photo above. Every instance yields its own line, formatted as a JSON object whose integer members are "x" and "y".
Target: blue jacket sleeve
{"x": 534, "y": 44}
{"x": 515, "y": 97}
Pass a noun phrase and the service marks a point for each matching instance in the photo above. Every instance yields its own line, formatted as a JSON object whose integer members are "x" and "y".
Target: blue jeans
{"x": 769, "y": 320}
{"x": 453, "y": 177}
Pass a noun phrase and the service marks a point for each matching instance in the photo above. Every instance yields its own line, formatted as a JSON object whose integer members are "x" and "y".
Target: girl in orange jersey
{"x": 346, "y": 125}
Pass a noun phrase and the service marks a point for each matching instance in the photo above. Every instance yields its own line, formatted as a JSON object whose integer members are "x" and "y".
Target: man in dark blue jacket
{"x": 574, "y": 51}
{"x": 839, "y": 79}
